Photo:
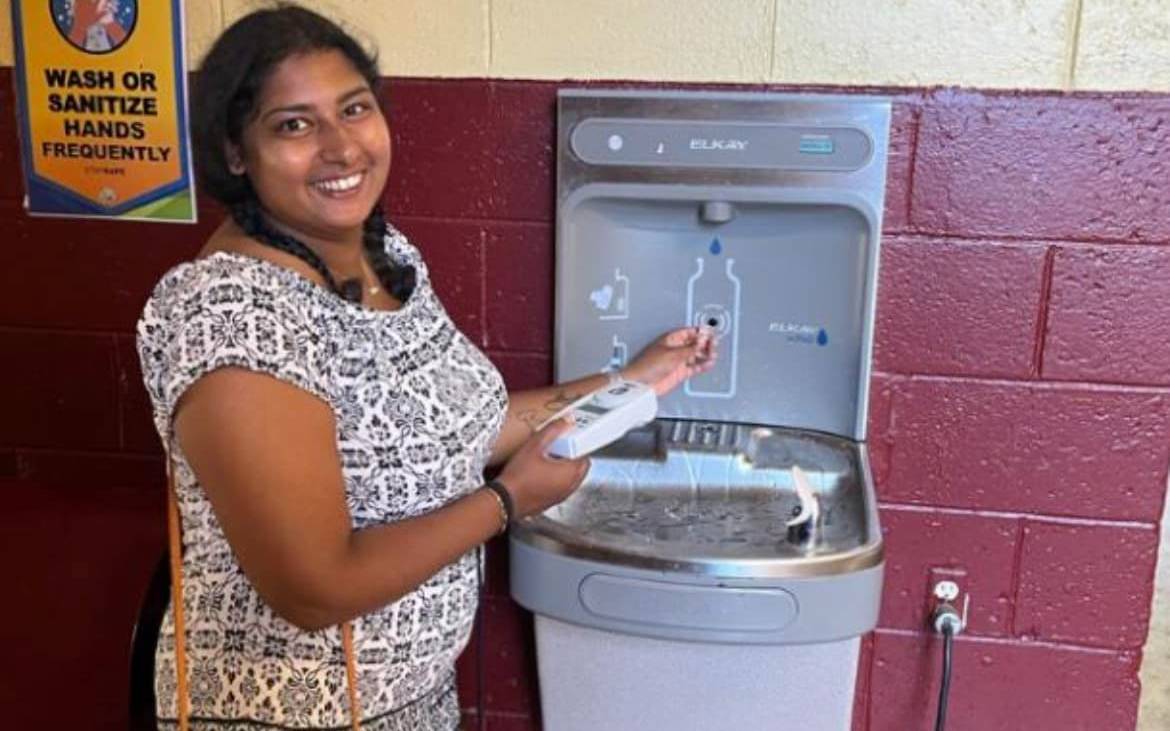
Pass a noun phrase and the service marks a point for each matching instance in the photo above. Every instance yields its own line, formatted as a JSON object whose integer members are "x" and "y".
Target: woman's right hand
{"x": 537, "y": 481}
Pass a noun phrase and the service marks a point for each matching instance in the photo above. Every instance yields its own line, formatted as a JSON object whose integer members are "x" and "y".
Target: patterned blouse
{"x": 417, "y": 409}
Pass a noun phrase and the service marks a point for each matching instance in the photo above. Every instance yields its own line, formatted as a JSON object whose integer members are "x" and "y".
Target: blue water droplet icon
{"x": 822, "y": 337}
{"x": 716, "y": 247}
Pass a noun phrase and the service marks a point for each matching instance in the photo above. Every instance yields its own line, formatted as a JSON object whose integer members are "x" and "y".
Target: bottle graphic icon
{"x": 713, "y": 304}
{"x": 619, "y": 356}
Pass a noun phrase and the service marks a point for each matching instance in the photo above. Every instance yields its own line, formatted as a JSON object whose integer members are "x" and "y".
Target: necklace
{"x": 401, "y": 280}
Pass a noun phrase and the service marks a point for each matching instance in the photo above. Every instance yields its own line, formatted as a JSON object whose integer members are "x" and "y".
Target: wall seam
{"x": 489, "y": 33}
{"x": 118, "y": 391}
{"x": 1042, "y": 316}
{"x": 1073, "y": 46}
{"x": 17, "y": 329}
{"x": 534, "y": 354}
{"x": 483, "y": 285}
{"x": 867, "y": 715}
{"x": 927, "y": 237}
{"x": 1017, "y": 571}
{"x": 1010, "y": 380}
{"x": 90, "y": 453}
{"x": 914, "y": 135}
{"x": 773, "y": 22}
{"x": 1012, "y": 642}
{"x": 1048, "y": 385}
{"x": 1036, "y": 517}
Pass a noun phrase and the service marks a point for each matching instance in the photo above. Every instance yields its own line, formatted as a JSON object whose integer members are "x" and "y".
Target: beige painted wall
{"x": 1043, "y": 44}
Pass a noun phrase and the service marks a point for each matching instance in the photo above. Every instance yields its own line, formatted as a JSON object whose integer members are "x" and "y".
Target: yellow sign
{"x": 103, "y": 108}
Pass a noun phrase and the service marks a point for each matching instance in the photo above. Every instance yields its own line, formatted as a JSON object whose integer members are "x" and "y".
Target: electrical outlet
{"x": 946, "y": 591}
{"x": 947, "y": 585}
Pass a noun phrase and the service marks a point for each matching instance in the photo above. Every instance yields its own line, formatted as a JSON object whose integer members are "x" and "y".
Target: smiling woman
{"x": 327, "y": 424}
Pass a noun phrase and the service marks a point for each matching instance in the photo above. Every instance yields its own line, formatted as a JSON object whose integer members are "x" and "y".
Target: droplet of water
{"x": 822, "y": 337}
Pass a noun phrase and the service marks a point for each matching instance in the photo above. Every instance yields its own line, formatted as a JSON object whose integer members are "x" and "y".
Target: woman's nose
{"x": 337, "y": 145}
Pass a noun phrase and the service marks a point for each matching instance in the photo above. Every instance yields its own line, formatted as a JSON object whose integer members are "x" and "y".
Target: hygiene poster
{"x": 102, "y": 90}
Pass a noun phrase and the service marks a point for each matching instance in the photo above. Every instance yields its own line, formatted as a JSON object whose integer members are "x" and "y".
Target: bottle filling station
{"x": 718, "y": 567}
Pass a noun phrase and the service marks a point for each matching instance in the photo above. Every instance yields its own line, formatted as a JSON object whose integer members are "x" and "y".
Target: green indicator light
{"x": 816, "y": 145}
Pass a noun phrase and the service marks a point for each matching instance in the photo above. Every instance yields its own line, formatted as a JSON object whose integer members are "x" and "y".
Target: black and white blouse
{"x": 417, "y": 408}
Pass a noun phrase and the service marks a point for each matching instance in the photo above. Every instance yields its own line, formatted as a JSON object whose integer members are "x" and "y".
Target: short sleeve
{"x": 213, "y": 314}
{"x": 399, "y": 248}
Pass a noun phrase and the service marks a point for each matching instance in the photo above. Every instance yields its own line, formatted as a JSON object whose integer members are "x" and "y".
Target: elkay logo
{"x": 796, "y": 333}
{"x": 702, "y": 143}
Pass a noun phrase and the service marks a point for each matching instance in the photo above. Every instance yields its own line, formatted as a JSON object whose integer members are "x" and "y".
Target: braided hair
{"x": 223, "y": 100}
{"x": 398, "y": 280}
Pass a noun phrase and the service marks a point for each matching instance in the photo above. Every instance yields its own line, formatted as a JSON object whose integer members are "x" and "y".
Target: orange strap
{"x": 351, "y": 675}
{"x": 182, "y": 692}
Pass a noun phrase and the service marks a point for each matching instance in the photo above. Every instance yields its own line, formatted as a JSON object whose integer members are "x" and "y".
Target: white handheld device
{"x": 603, "y": 417}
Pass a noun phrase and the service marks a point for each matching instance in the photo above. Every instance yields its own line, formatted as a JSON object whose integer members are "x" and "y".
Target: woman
{"x": 327, "y": 423}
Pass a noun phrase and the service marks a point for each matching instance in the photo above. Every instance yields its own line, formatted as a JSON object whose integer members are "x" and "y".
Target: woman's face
{"x": 317, "y": 151}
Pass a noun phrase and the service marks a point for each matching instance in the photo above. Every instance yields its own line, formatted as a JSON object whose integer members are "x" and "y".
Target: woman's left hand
{"x": 672, "y": 359}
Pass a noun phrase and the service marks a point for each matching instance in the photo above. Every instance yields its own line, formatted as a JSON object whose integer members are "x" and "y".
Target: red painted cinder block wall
{"x": 1020, "y": 425}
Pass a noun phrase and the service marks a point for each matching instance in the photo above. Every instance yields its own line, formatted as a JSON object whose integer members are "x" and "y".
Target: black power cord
{"x": 944, "y": 691}
{"x": 948, "y": 623}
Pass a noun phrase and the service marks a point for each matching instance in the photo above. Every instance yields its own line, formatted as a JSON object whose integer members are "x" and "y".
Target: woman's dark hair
{"x": 223, "y": 101}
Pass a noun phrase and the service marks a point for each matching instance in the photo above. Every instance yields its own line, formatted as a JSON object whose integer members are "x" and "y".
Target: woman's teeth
{"x": 339, "y": 185}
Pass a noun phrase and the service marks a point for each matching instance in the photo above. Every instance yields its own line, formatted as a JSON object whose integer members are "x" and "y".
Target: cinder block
{"x": 881, "y": 391}
{"x": 1002, "y": 685}
{"x": 523, "y": 149}
{"x": 1123, "y": 46}
{"x": 899, "y": 162}
{"x": 139, "y": 435}
{"x": 1086, "y": 584}
{"x": 471, "y": 149}
{"x": 519, "y": 282}
{"x": 204, "y": 22}
{"x": 87, "y": 274}
{"x": 922, "y": 42}
{"x": 441, "y": 131}
{"x": 76, "y": 560}
{"x": 510, "y": 655}
{"x": 917, "y": 541}
{"x": 59, "y": 391}
{"x": 412, "y": 37}
{"x": 12, "y": 182}
{"x": 467, "y": 678}
{"x": 680, "y": 40}
{"x": 862, "y": 689}
{"x": 1107, "y": 318}
{"x": 1058, "y": 450}
{"x": 523, "y": 371}
{"x": 958, "y": 308}
{"x": 1080, "y": 168}
{"x": 72, "y": 470}
{"x": 453, "y": 252}
{"x": 511, "y": 722}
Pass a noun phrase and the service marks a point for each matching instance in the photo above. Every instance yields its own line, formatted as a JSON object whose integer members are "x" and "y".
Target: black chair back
{"x": 142, "y": 643}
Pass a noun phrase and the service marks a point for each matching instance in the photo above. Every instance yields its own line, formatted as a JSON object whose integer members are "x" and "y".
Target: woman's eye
{"x": 357, "y": 109}
{"x": 296, "y": 124}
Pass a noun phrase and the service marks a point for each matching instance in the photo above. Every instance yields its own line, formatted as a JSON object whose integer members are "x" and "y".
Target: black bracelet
{"x": 505, "y": 498}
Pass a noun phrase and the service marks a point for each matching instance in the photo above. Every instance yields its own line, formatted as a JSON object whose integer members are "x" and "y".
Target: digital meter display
{"x": 595, "y": 410}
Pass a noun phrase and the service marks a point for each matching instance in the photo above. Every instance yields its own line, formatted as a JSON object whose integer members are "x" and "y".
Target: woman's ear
{"x": 235, "y": 160}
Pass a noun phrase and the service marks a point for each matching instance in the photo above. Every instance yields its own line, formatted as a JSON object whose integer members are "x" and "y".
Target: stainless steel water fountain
{"x": 718, "y": 567}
